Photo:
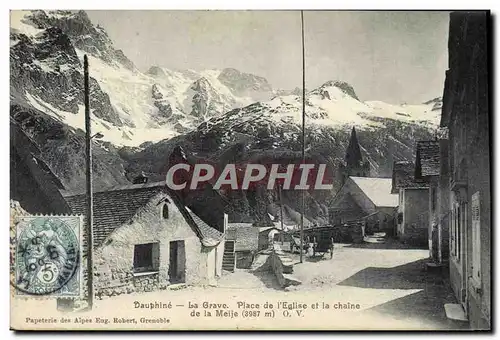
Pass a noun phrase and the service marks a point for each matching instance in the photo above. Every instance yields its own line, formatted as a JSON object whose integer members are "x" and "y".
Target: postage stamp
{"x": 47, "y": 260}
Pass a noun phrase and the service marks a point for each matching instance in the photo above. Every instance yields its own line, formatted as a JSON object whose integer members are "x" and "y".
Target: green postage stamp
{"x": 47, "y": 259}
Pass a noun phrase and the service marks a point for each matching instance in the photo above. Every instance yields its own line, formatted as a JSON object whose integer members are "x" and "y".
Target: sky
{"x": 389, "y": 56}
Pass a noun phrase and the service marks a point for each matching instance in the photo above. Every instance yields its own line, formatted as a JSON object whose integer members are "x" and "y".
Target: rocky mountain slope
{"x": 129, "y": 107}
{"x": 220, "y": 115}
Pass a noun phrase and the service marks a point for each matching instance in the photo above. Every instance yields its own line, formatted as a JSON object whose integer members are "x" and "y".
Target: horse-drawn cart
{"x": 319, "y": 238}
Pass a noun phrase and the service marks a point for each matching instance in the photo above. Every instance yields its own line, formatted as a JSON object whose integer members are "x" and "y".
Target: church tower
{"x": 353, "y": 163}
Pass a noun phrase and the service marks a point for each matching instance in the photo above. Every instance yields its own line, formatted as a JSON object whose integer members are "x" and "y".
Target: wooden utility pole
{"x": 281, "y": 216}
{"x": 88, "y": 144}
{"x": 303, "y": 134}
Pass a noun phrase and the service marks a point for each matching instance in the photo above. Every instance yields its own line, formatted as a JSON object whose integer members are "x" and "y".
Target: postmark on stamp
{"x": 47, "y": 259}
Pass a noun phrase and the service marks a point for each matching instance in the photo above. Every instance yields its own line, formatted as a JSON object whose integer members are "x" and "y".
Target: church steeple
{"x": 353, "y": 157}
{"x": 354, "y": 165}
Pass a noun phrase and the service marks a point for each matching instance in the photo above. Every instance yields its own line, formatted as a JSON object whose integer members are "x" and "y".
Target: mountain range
{"x": 221, "y": 115}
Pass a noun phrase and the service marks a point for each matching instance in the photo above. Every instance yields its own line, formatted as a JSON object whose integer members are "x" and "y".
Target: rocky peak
{"x": 156, "y": 92}
{"x": 342, "y": 85}
{"x": 205, "y": 100}
{"x": 243, "y": 84}
{"x": 202, "y": 84}
{"x": 82, "y": 33}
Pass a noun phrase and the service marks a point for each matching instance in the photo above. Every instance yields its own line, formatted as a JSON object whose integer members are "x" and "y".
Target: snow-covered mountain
{"x": 129, "y": 107}
{"x": 332, "y": 105}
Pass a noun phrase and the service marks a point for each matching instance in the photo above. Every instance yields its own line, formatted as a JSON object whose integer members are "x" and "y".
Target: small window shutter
{"x": 453, "y": 231}
{"x": 476, "y": 238}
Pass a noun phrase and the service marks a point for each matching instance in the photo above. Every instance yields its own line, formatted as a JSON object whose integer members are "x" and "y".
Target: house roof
{"x": 403, "y": 176}
{"x": 344, "y": 201}
{"x": 245, "y": 235}
{"x": 427, "y": 159}
{"x": 113, "y": 208}
{"x": 378, "y": 190}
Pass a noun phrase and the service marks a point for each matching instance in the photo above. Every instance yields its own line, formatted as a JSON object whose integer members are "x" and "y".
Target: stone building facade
{"x": 412, "y": 220}
{"x": 465, "y": 117}
{"x": 367, "y": 199}
{"x": 430, "y": 166}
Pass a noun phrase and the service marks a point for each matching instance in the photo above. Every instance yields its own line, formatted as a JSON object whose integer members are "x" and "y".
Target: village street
{"x": 389, "y": 282}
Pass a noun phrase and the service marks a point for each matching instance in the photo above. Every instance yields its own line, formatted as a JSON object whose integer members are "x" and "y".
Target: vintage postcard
{"x": 250, "y": 170}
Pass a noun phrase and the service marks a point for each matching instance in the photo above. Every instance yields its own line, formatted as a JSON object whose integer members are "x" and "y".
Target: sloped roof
{"x": 245, "y": 235}
{"x": 427, "y": 160}
{"x": 113, "y": 208}
{"x": 403, "y": 176}
{"x": 344, "y": 201}
{"x": 378, "y": 190}
{"x": 207, "y": 232}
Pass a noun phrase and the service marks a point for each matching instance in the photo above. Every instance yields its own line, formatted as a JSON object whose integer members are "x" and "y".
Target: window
{"x": 146, "y": 257}
{"x": 433, "y": 199}
{"x": 453, "y": 232}
{"x": 164, "y": 211}
{"x": 476, "y": 238}
{"x": 458, "y": 223}
{"x": 459, "y": 231}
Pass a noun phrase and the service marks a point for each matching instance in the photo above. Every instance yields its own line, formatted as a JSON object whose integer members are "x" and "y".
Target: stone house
{"x": 465, "y": 119}
{"x": 412, "y": 220}
{"x": 430, "y": 165}
{"x": 365, "y": 198}
{"x": 145, "y": 239}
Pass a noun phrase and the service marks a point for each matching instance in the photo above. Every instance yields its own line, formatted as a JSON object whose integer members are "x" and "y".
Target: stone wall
{"x": 467, "y": 110}
{"x": 147, "y": 283}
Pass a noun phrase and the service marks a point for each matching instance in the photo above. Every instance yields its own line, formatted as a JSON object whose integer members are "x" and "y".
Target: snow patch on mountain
{"x": 120, "y": 136}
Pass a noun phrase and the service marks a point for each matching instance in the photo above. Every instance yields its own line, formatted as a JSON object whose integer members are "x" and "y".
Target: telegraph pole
{"x": 281, "y": 215}
{"x": 303, "y": 134}
{"x": 88, "y": 144}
